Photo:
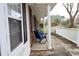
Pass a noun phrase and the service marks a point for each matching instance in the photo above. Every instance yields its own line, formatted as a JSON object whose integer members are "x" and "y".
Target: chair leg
{"x": 43, "y": 41}
{"x": 37, "y": 40}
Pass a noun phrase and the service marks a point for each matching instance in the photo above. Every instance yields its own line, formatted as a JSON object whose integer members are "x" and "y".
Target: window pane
{"x": 19, "y": 10}
{"x": 15, "y": 33}
{"x": 14, "y": 10}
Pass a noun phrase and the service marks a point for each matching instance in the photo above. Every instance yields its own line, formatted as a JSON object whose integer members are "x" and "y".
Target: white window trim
{"x": 14, "y": 17}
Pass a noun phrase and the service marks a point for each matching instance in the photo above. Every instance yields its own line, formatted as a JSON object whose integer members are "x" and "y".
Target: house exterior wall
{"x": 22, "y": 49}
{"x": 0, "y": 48}
{"x": 2, "y": 31}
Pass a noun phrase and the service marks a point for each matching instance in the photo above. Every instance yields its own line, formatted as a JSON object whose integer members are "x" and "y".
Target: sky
{"x": 59, "y": 9}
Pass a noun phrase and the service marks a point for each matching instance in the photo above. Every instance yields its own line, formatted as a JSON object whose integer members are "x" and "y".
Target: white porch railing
{"x": 71, "y": 34}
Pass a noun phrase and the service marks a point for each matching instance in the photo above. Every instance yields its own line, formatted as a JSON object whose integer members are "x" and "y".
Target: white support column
{"x": 49, "y": 29}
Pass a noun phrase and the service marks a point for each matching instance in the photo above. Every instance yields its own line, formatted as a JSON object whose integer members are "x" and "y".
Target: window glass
{"x": 14, "y": 10}
{"x": 15, "y": 33}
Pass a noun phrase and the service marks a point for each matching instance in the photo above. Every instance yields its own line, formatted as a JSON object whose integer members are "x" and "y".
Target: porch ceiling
{"x": 40, "y": 10}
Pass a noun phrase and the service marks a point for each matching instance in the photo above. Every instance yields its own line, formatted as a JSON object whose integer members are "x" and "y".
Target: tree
{"x": 55, "y": 20}
{"x": 65, "y": 23}
{"x": 69, "y": 7}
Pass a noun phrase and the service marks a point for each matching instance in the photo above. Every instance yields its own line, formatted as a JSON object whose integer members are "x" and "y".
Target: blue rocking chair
{"x": 39, "y": 35}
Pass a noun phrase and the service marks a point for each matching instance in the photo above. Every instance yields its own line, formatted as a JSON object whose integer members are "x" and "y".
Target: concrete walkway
{"x": 61, "y": 47}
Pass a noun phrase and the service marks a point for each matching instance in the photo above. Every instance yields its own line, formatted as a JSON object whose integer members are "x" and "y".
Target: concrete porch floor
{"x": 61, "y": 47}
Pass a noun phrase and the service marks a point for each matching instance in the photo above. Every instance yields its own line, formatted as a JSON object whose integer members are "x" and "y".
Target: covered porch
{"x": 56, "y": 45}
{"x": 40, "y": 11}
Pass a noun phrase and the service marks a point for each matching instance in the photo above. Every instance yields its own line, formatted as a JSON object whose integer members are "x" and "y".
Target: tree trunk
{"x": 71, "y": 22}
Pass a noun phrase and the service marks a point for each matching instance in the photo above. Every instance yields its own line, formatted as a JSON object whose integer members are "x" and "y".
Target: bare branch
{"x": 67, "y": 8}
{"x": 76, "y": 10}
{"x": 71, "y": 6}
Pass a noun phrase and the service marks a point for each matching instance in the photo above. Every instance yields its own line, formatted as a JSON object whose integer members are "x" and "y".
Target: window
{"x": 15, "y": 33}
{"x": 15, "y": 24}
